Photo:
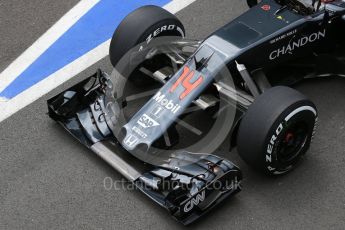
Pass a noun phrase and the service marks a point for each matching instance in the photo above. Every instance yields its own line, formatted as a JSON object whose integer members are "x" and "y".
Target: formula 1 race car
{"x": 170, "y": 103}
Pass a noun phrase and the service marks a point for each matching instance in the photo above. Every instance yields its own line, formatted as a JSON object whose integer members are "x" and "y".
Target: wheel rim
{"x": 293, "y": 142}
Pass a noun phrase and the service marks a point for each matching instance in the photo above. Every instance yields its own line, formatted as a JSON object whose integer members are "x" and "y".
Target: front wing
{"x": 186, "y": 184}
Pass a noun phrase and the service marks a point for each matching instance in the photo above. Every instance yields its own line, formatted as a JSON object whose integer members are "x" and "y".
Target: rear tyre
{"x": 277, "y": 130}
{"x": 142, "y": 25}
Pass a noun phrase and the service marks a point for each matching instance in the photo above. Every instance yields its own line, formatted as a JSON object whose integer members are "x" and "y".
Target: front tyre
{"x": 277, "y": 130}
{"x": 141, "y": 26}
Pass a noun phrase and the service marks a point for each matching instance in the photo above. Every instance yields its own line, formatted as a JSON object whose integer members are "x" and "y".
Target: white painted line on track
{"x": 177, "y": 5}
{"x": 3, "y": 99}
{"x": 8, "y": 108}
{"x": 44, "y": 42}
{"x": 54, "y": 80}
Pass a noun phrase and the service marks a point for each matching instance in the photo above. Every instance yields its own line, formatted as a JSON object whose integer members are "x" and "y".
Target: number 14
{"x": 184, "y": 80}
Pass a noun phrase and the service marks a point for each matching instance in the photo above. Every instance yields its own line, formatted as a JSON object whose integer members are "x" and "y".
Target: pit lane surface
{"x": 48, "y": 180}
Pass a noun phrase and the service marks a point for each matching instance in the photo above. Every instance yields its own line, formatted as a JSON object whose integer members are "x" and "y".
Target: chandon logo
{"x": 297, "y": 44}
{"x": 194, "y": 201}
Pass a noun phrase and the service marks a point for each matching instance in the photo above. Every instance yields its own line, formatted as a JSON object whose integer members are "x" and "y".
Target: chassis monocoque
{"x": 245, "y": 65}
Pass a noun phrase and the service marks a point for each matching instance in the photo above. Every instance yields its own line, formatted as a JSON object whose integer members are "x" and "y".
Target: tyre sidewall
{"x": 278, "y": 131}
{"x": 164, "y": 28}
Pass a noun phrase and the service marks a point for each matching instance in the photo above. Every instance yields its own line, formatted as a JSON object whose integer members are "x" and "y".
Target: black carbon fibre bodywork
{"x": 255, "y": 48}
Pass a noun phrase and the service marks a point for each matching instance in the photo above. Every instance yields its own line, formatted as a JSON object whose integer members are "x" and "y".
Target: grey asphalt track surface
{"x": 49, "y": 181}
{"x": 23, "y": 22}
